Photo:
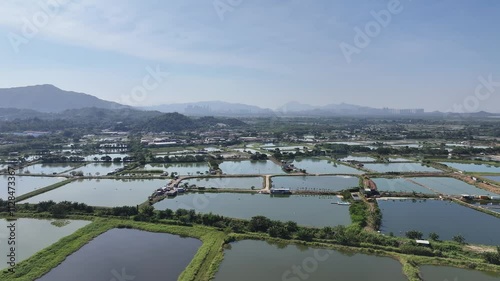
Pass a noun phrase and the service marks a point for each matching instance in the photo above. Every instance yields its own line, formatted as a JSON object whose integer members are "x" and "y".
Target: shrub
{"x": 414, "y": 234}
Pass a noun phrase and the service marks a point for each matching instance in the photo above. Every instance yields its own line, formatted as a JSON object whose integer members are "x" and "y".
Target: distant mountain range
{"x": 213, "y": 108}
{"x": 50, "y": 99}
{"x": 219, "y": 108}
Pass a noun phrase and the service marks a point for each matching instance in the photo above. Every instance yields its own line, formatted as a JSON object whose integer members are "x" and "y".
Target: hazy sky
{"x": 420, "y": 53}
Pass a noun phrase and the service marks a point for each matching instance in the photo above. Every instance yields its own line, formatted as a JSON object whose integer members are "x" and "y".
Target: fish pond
{"x": 399, "y": 185}
{"x": 316, "y": 183}
{"x": 399, "y": 167}
{"x": 316, "y": 211}
{"x": 179, "y": 168}
{"x": 398, "y": 159}
{"x": 25, "y": 184}
{"x": 475, "y": 168}
{"x": 227, "y": 182}
{"x": 96, "y": 169}
{"x": 33, "y": 235}
{"x": 493, "y": 178}
{"x": 449, "y": 186}
{"x": 119, "y": 254}
{"x": 49, "y": 168}
{"x": 358, "y": 158}
{"x": 321, "y": 166}
{"x": 103, "y": 193}
{"x": 440, "y": 273}
{"x": 259, "y": 260}
{"x": 250, "y": 167}
{"x": 400, "y": 216}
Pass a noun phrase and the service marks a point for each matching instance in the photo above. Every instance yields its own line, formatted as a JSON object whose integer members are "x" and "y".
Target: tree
{"x": 433, "y": 236}
{"x": 305, "y": 234}
{"x": 414, "y": 234}
{"x": 58, "y": 210}
{"x": 279, "y": 230}
{"x": 106, "y": 158}
{"x": 169, "y": 213}
{"x": 291, "y": 226}
{"x": 259, "y": 224}
{"x": 459, "y": 239}
{"x": 147, "y": 211}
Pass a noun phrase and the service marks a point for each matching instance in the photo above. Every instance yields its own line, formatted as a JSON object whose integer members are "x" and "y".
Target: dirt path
{"x": 479, "y": 249}
{"x": 267, "y": 183}
{"x": 368, "y": 183}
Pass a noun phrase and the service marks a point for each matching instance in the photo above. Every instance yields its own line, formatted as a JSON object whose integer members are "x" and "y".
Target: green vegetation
{"x": 433, "y": 236}
{"x": 493, "y": 258}
{"x": 45, "y": 260}
{"x": 359, "y": 213}
{"x": 414, "y": 234}
{"x": 459, "y": 239}
{"x": 214, "y": 230}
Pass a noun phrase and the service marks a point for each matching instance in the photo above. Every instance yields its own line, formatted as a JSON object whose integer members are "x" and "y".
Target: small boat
{"x": 281, "y": 191}
{"x": 342, "y": 203}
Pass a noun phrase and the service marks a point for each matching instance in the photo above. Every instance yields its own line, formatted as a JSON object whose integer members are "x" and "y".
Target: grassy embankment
{"x": 202, "y": 266}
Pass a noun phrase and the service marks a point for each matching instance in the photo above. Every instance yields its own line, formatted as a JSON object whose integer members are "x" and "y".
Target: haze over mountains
{"x": 50, "y": 99}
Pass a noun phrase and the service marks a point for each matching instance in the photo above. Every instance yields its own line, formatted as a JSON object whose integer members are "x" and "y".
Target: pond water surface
{"x": 399, "y": 185}
{"x": 440, "y": 273}
{"x": 445, "y": 218}
{"x": 179, "y": 168}
{"x": 102, "y": 193}
{"x": 317, "y": 211}
{"x": 450, "y": 186}
{"x": 258, "y": 260}
{"x": 33, "y": 235}
{"x": 494, "y": 178}
{"x": 477, "y": 168}
{"x": 358, "y": 158}
{"x": 250, "y": 167}
{"x": 25, "y": 184}
{"x": 143, "y": 255}
{"x": 400, "y": 167}
{"x": 226, "y": 182}
{"x": 48, "y": 169}
{"x": 316, "y": 183}
{"x": 321, "y": 166}
{"x": 96, "y": 169}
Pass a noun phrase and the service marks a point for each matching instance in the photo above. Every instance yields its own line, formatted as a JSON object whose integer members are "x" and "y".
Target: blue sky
{"x": 262, "y": 52}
